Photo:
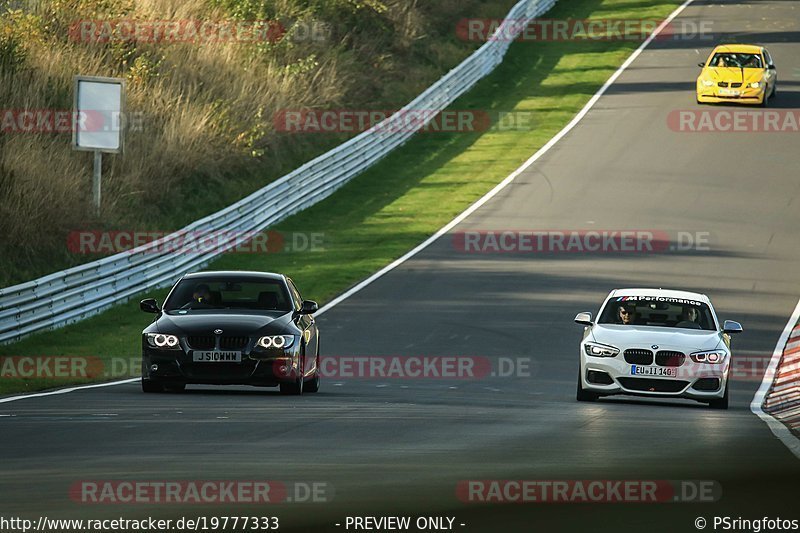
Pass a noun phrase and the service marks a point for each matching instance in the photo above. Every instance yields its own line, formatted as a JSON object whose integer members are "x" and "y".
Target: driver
{"x": 200, "y": 297}
{"x": 691, "y": 314}
{"x": 722, "y": 62}
{"x": 625, "y": 315}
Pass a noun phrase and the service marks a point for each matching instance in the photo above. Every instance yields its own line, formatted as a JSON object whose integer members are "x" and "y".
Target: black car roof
{"x": 234, "y": 273}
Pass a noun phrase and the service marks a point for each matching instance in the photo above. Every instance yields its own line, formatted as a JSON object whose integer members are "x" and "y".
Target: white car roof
{"x": 668, "y": 293}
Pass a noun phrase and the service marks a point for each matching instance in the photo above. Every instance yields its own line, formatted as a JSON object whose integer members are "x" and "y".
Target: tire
{"x": 151, "y": 386}
{"x": 295, "y": 388}
{"x": 765, "y": 102}
{"x": 721, "y": 403}
{"x": 313, "y": 384}
{"x": 774, "y": 91}
{"x": 582, "y": 394}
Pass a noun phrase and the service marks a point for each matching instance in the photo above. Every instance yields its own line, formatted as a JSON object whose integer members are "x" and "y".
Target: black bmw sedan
{"x": 231, "y": 328}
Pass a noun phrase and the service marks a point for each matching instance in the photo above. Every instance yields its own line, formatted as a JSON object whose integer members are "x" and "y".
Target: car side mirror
{"x": 584, "y": 319}
{"x": 772, "y": 67}
{"x": 309, "y": 307}
{"x": 730, "y": 327}
{"x": 149, "y": 305}
{"x": 701, "y": 65}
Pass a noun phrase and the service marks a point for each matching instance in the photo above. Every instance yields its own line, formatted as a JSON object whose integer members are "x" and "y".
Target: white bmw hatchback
{"x": 658, "y": 343}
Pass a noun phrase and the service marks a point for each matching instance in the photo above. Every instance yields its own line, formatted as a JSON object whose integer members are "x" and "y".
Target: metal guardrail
{"x": 77, "y": 293}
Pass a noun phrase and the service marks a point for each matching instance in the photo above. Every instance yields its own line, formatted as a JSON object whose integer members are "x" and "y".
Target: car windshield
{"x": 730, "y": 60}
{"x": 229, "y": 293}
{"x": 657, "y": 311}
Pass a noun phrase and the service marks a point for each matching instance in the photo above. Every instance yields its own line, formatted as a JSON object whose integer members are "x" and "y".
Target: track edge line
{"x": 776, "y": 426}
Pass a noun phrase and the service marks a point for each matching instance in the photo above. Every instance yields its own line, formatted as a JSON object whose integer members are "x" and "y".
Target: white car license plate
{"x": 658, "y": 371}
{"x": 730, "y": 92}
{"x": 216, "y": 357}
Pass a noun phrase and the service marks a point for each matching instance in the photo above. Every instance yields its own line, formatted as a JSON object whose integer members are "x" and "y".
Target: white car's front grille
{"x": 670, "y": 358}
{"x": 642, "y": 356}
{"x": 637, "y": 356}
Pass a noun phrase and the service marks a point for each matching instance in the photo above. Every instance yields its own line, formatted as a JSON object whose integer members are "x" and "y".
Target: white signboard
{"x": 99, "y": 108}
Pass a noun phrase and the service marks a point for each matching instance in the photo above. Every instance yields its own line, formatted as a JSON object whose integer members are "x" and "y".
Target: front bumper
{"x": 260, "y": 368}
{"x": 696, "y": 381}
{"x": 717, "y": 95}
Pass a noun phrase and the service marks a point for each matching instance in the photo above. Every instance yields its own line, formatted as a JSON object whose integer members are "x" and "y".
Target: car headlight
{"x": 755, "y": 84}
{"x": 595, "y": 349}
{"x": 707, "y": 83}
{"x": 276, "y": 341}
{"x": 160, "y": 340}
{"x": 712, "y": 357}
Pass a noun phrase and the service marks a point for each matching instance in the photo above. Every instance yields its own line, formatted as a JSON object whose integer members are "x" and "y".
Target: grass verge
{"x": 399, "y": 202}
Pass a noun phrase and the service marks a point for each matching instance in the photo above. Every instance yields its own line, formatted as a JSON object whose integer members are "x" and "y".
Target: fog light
{"x": 154, "y": 368}
{"x": 599, "y": 378}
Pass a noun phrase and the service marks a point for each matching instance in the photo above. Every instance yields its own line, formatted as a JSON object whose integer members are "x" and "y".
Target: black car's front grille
{"x": 232, "y": 343}
{"x": 670, "y": 358}
{"x": 653, "y": 384}
{"x": 208, "y": 342}
{"x": 201, "y": 342}
{"x": 637, "y": 356}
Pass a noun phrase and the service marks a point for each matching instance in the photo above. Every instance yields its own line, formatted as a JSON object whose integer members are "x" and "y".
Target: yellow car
{"x": 737, "y": 73}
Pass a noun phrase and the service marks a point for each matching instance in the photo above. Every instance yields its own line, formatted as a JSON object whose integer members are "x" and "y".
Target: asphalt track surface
{"x": 400, "y": 447}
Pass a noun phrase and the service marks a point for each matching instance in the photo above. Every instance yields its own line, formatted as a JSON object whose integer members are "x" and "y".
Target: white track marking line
{"x": 68, "y": 390}
{"x": 471, "y": 209}
{"x": 503, "y": 184}
{"x": 777, "y": 427}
